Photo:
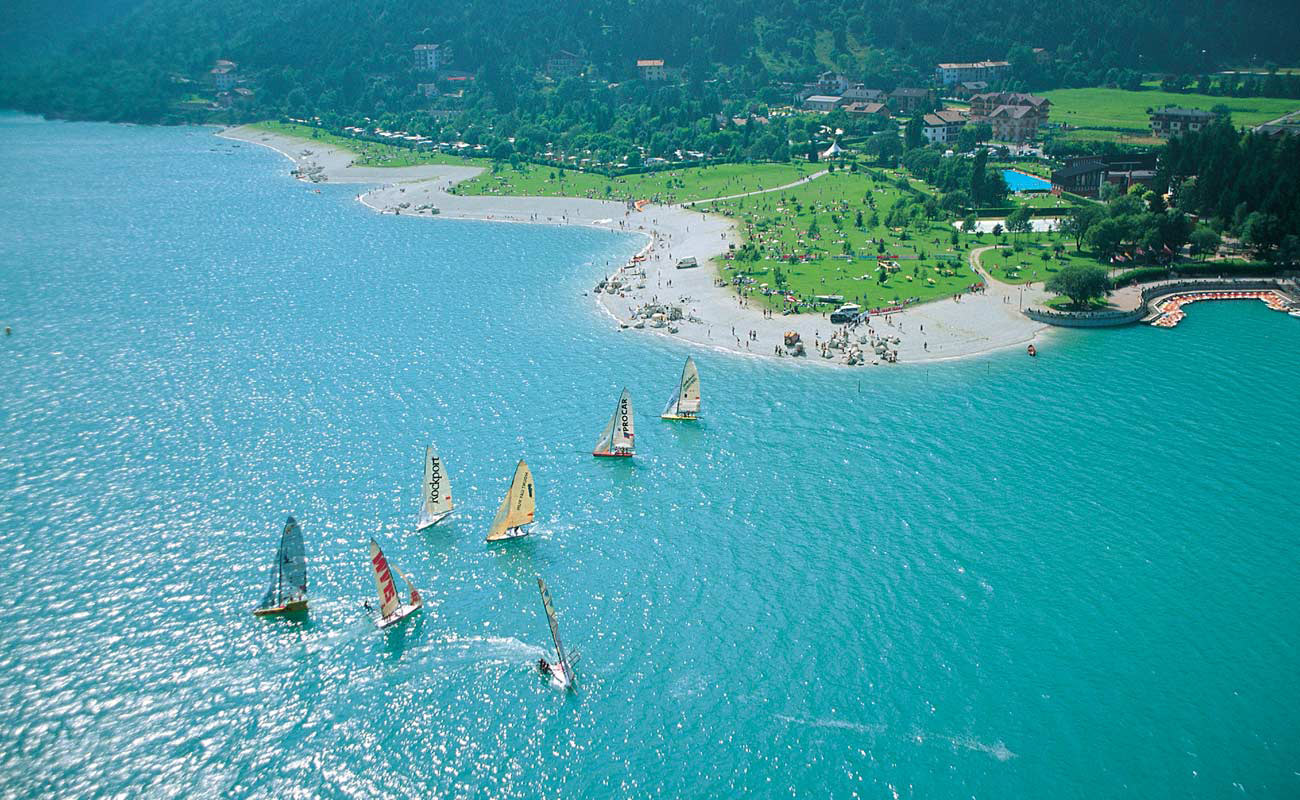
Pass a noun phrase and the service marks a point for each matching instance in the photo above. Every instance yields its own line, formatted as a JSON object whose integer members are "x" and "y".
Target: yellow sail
{"x": 518, "y": 506}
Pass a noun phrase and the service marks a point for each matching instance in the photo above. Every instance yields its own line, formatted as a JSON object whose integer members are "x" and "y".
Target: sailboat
{"x": 618, "y": 438}
{"x": 391, "y": 608}
{"x": 517, "y": 507}
{"x": 288, "y": 593}
{"x": 685, "y": 402}
{"x": 561, "y": 671}
{"x": 435, "y": 505}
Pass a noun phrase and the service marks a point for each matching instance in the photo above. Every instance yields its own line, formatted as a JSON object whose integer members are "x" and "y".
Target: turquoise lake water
{"x": 1022, "y": 182}
{"x": 1075, "y": 576}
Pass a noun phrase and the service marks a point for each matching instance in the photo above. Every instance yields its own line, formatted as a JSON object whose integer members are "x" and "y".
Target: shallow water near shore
{"x": 1069, "y": 576}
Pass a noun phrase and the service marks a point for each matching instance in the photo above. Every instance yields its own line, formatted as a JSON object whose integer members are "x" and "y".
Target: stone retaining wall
{"x": 1104, "y": 319}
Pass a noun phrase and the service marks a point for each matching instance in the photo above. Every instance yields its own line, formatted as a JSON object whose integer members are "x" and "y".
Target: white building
{"x": 859, "y": 93}
{"x": 426, "y": 57}
{"x": 942, "y": 127}
{"x": 822, "y": 102}
{"x": 988, "y": 71}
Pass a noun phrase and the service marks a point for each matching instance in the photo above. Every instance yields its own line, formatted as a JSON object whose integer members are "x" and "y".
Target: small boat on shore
{"x": 560, "y": 672}
{"x": 391, "y": 609}
{"x": 517, "y": 508}
{"x": 435, "y": 505}
{"x": 288, "y": 593}
{"x": 685, "y": 402}
{"x": 619, "y": 436}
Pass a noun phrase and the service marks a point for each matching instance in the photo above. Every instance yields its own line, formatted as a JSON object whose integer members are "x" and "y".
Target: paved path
{"x": 799, "y": 182}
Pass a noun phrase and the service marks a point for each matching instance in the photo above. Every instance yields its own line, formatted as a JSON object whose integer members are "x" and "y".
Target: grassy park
{"x": 668, "y": 186}
{"x": 1112, "y": 114}
{"x": 807, "y": 241}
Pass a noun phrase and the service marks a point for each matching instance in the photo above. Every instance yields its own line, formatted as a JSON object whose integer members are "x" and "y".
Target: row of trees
{"x": 1247, "y": 184}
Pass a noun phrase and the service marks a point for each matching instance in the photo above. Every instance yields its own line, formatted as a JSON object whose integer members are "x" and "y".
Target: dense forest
{"x": 124, "y": 60}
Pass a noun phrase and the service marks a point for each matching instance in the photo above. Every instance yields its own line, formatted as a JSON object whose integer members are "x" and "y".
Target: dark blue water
{"x": 1070, "y": 576}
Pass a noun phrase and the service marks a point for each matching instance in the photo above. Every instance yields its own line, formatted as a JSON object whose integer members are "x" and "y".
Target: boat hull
{"x": 678, "y": 416}
{"x": 402, "y": 612}
{"x": 293, "y": 607}
{"x": 625, "y": 454}
{"x": 518, "y": 533}
{"x": 430, "y": 523}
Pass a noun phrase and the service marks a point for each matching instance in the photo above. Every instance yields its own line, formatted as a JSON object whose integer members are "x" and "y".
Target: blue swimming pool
{"x": 1020, "y": 182}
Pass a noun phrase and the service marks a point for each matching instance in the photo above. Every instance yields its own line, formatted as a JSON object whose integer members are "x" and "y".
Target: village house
{"x": 942, "y": 127}
{"x": 859, "y": 92}
{"x": 426, "y": 57}
{"x": 652, "y": 69}
{"x": 223, "y": 75}
{"x": 1170, "y": 121}
{"x": 988, "y": 71}
{"x": 904, "y": 100}
{"x": 868, "y": 109}
{"x": 832, "y": 83}
{"x": 563, "y": 64}
{"x": 1015, "y": 117}
{"x": 968, "y": 89}
{"x": 1085, "y": 175}
{"x": 822, "y": 102}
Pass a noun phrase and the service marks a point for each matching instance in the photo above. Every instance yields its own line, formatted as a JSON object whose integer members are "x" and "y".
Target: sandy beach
{"x": 714, "y": 316}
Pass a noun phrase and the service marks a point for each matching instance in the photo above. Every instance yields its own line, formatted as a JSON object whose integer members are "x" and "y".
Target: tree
{"x": 1079, "y": 282}
{"x": 1019, "y": 220}
{"x": 977, "y": 175}
{"x": 1204, "y": 241}
{"x": 1105, "y": 236}
{"x": 913, "y": 134}
{"x": 1263, "y": 232}
{"x": 1080, "y": 220}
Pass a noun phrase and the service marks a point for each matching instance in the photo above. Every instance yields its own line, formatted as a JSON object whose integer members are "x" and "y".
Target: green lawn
{"x": 1036, "y": 259}
{"x": 778, "y": 225}
{"x": 369, "y": 154}
{"x": 1127, "y": 110}
{"x": 671, "y": 186}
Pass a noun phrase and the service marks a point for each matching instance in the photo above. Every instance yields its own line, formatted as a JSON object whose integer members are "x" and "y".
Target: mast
{"x": 555, "y": 630}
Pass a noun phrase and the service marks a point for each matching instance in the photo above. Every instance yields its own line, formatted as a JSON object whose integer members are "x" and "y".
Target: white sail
{"x": 686, "y": 400}
{"x": 388, "y": 601}
{"x": 436, "y": 490}
{"x": 518, "y": 506}
{"x": 688, "y": 393}
{"x": 619, "y": 436}
{"x": 606, "y": 440}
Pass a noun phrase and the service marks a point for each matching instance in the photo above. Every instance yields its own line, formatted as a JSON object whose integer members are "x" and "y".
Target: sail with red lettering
{"x": 391, "y": 607}
{"x": 388, "y": 601}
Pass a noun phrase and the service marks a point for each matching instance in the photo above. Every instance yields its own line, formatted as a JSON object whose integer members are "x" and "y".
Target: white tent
{"x": 833, "y": 151}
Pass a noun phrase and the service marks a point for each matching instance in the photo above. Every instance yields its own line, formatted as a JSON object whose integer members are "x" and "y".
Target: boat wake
{"x": 997, "y": 750}
{"x": 503, "y": 649}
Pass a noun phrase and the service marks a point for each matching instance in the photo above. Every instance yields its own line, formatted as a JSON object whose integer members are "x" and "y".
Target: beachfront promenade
{"x": 1135, "y": 303}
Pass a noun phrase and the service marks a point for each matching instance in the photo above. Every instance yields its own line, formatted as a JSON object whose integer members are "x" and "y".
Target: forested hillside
{"x": 355, "y": 56}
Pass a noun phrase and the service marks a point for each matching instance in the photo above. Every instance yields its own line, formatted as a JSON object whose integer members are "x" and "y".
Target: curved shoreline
{"x": 940, "y": 330}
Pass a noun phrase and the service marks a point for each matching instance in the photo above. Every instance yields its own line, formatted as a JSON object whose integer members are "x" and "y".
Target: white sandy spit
{"x": 715, "y": 316}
